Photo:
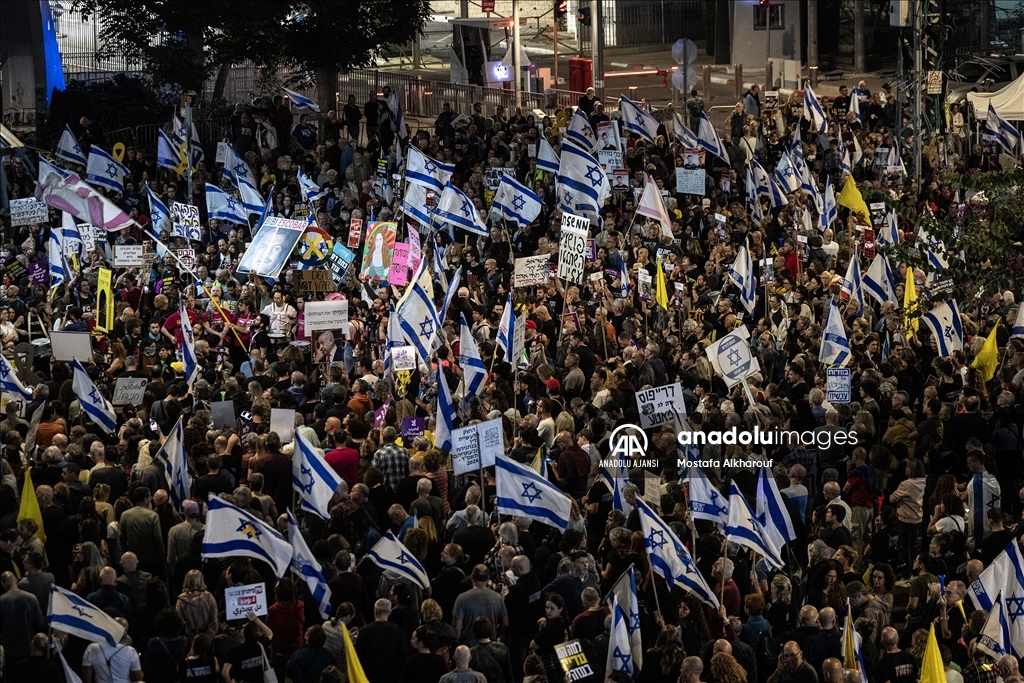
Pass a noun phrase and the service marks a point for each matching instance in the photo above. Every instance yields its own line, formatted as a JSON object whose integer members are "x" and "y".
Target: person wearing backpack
{"x": 757, "y": 633}
{"x": 695, "y": 106}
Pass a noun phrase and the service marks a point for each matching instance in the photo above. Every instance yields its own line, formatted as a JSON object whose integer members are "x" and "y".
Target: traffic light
{"x": 561, "y": 8}
{"x": 583, "y": 16}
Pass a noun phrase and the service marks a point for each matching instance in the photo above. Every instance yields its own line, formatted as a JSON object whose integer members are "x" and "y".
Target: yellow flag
{"x": 352, "y": 663}
{"x": 932, "y": 670}
{"x": 852, "y": 199}
{"x": 910, "y": 299}
{"x": 660, "y": 290}
{"x": 850, "y": 659}
{"x": 30, "y": 505}
{"x": 987, "y": 359}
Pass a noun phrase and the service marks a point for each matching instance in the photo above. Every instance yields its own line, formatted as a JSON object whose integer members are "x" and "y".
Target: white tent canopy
{"x": 1008, "y": 102}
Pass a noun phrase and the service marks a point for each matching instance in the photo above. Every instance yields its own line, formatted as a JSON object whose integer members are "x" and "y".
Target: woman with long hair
{"x": 197, "y": 607}
{"x": 90, "y": 562}
{"x": 693, "y": 627}
{"x": 661, "y": 662}
{"x": 553, "y": 629}
{"x": 882, "y": 582}
{"x": 725, "y": 669}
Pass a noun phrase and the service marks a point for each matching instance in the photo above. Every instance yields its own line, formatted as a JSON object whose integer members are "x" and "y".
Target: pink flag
{"x": 652, "y": 206}
{"x": 81, "y": 201}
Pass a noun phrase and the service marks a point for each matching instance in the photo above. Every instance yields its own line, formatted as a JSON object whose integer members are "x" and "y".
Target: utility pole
{"x": 918, "y": 21}
{"x": 768, "y": 45}
{"x": 812, "y": 34}
{"x": 859, "y": 58}
{"x": 554, "y": 50}
{"x": 597, "y": 47}
{"x": 464, "y": 9}
{"x": 517, "y": 62}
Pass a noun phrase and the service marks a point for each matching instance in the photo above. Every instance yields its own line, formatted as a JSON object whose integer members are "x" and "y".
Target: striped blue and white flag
{"x": 178, "y": 134}
{"x": 547, "y": 159}
{"x": 855, "y": 108}
{"x": 474, "y": 372}
{"x": 933, "y": 248}
{"x": 93, "y": 403}
{"x": 516, "y": 202}
{"x": 835, "y": 345}
{"x": 580, "y": 180}
{"x": 417, "y": 314}
{"x": 455, "y": 208}
{"x": 235, "y": 168}
{"x": 46, "y": 168}
{"x": 158, "y": 213}
{"x": 1018, "y": 323}
{"x": 234, "y": 532}
{"x": 167, "y": 155}
{"x": 452, "y": 287}
{"x": 625, "y": 650}
{"x": 79, "y": 617}
{"x": 772, "y": 511}
{"x": 706, "y": 502}
{"x": 414, "y": 202}
{"x": 830, "y": 210}
{"x": 60, "y": 272}
{"x": 313, "y": 479}
{"x": 188, "y": 345}
{"x": 744, "y": 529}
{"x": 853, "y": 284}
{"x": 684, "y": 135}
{"x": 310, "y": 190}
{"x": 637, "y": 121}
{"x": 9, "y": 381}
{"x": 615, "y": 479}
{"x": 946, "y": 327}
{"x": 305, "y": 565}
{"x": 994, "y": 638}
{"x": 753, "y": 198}
{"x": 444, "y": 424}
{"x": 427, "y": 171}
{"x": 845, "y": 168}
{"x": 301, "y": 101}
{"x": 71, "y": 238}
{"x": 104, "y": 170}
{"x": 172, "y": 455}
{"x": 580, "y": 131}
{"x": 252, "y": 200}
{"x": 669, "y": 557}
{"x": 68, "y": 148}
{"x": 742, "y": 274}
{"x": 1002, "y": 130}
{"x": 879, "y": 281}
{"x": 1003, "y": 580}
{"x": 507, "y": 324}
{"x": 390, "y": 554}
{"x": 786, "y": 175}
{"x": 889, "y": 234}
{"x": 522, "y": 492}
{"x": 223, "y": 207}
{"x": 708, "y": 140}
{"x": 813, "y": 111}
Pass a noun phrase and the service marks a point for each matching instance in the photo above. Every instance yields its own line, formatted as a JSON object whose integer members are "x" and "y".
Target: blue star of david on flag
{"x": 246, "y": 527}
{"x": 594, "y": 175}
{"x": 518, "y": 202}
{"x": 405, "y": 558}
{"x": 466, "y": 209}
{"x": 430, "y": 166}
{"x": 307, "y": 486}
{"x": 241, "y": 170}
{"x": 111, "y": 171}
{"x": 81, "y": 612}
{"x": 624, "y": 658}
{"x": 95, "y": 397}
{"x": 1015, "y": 608}
{"x": 426, "y": 327}
{"x": 656, "y": 539}
{"x": 531, "y": 492}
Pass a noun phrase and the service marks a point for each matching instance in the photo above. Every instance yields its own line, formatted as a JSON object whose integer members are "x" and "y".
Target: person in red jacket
{"x": 286, "y": 618}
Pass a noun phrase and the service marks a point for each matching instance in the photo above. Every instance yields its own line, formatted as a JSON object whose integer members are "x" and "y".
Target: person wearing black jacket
{"x": 525, "y": 606}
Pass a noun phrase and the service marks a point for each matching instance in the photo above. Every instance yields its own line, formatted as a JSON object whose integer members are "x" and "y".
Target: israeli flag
{"x": 313, "y": 479}
{"x": 946, "y": 327}
{"x": 994, "y": 638}
{"x": 178, "y": 137}
{"x": 623, "y": 597}
{"x": 742, "y": 275}
{"x": 615, "y": 479}
{"x": 417, "y": 314}
{"x": 92, "y": 401}
{"x": 389, "y": 554}
{"x": 104, "y": 170}
{"x": 933, "y": 248}
{"x": 1004, "y": 578}
{"x": 167, "y": 154}
{"x": 9, "y": 381}
{"x": 625, "y": 286}
{"x": 310, "y": 190}
{"x": 394, "y": 338}
{"x": 620, "y": 652}
{"x": 853, "y": 285}
{"x": 59, "y": 270}
{"x": 705, "y": 500}
{"x": 234, "y": 532}
{"x": 547, "y": 159}
{"x": 158, "y": 213}
{"x": 1018, "y": 323}
{"x": 830, "y": 210}
{"x": 188, "y": 345}
{"x": 683, "y": 133}
{"x": 853, "y": 658}
{"x": 743, "y": 528}
{"x": 523, "y": 492}
{"x": 46, "y": 168}
{"x": 414, "y": 203}
{"x": 708, "y": 140}
{"x": 506, "y": 328}
{"x": 761, "y": 182}
{"x": 427, "y": 171}
{"x": 71, "y": 237}
{"x": 302, "y": 102}
{"x": 785, "y": 174}
{"x": 890, "y": 234}
{"x": 516, "y": 202}
{"x": 474, "y": 372}
{"x": 1002, "y": 130}
{"x": 880, "y": 282}
{"x": 79, "y": 617}
{"x": 443, "y": 423}
{"x": 669, "y": 557}
{"x": 453, "y": 289}
{"x": 68, "y": 148}
{"x": 637, "y": 121}
{"x": 855, "y": 108}
{"x": 305, "y": 565}
{"x": 845, "y": 167}
{"x": 813, "y": 111}
{"x": 772, "y": 511}
{"x": 223, "y": 207}
{"x": 457, "y": 209}
{"x": 776, "y": 194}
{"x": 252, "y": 200}
{"x": 580, "y": 131}
{"x": 580, "y": 178}
{"x": 172, "y": 455}
{"x": 753, "y": 200}
{"x": 235, "y": 168}
{"x": 835, "y": 346}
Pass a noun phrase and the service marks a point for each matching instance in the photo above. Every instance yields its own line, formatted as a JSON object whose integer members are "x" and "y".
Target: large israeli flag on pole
{"x": 994, "y": 638}
{"x": 616, "y": 478}
{"x": 457, "y": 209}
{"x": 301, "y": 101}
{"x": 669, "y": 557}
{"x": 835, "y": 345}
{"x": 9, "y": 381}
{"x": 414, "y": 202}
{"x": 580, "y": 179}
{"x": 313, "y": 479}
{"x": 516, "y": 202}
{"x": 813, "y": 111}
{"x": 708, "y": 140}
{"x": 252, "y": 200}
{"x": 637, "y": 121}
{"x": 104, "y": 170}
{"x": 623, "y": 597}
{"x": 389, "y": 553}
{"x": 235, "y": 168}
{"x": 620, "y": 653}
{"x": 705, "y": 500}
{"x": 742, "y": 274}
{"x": 772, "y": 511}
{"x": 743, "y": 528}
{"x": 158, "y": 213}
{"x": 79, "y": 617}
{"x": 305, "y": 566}
{"x": 1004, "y": 578}
{"x": 580, "y": 131}
{"x": 1002, "y": 130}
{"x": 879, "y": 281}
{"x": 453, "y": 288}
{"x": 474, "y": 372}
{"x": 853, "y": 284}
{"x": 684, "y": 135}
{"x": 310, "y": 190}
{"x": 830, "y": 210}
{"x": 443, "y": 422}
{"x": 92, "y": 401}
{"x": 506, "y": 328}
{"x": 167, "y": 155}
{"x": 427, "y": 171}
{"x": 786, "y": 175}
{"x": 417, "y": 314}
{"x": 234, "y": 532}
{"x": 547, "y": 159}
{"x": 189, "y": 362}
{"x": 59, "y": 270}
{"x": 172, "y": 455}
{"x": 946, "y": 327}
{"x": 223, "y": 207}
{"x": 523, "y": 492}
{"x": 68, "y": 148}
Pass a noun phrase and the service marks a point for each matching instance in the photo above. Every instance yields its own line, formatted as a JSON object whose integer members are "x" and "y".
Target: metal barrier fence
{"x": 211, "y": 131}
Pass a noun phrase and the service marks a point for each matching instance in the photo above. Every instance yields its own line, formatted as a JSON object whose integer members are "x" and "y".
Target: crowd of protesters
{"x": 877, "y": 524}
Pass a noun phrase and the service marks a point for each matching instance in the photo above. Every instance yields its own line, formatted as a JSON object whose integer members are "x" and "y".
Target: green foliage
{"x": 985, "y": 250}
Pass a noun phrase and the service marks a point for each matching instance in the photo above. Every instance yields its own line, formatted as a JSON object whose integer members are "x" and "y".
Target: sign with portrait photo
{"x": 379, "y": 250}
{"x": 270, "y": 248}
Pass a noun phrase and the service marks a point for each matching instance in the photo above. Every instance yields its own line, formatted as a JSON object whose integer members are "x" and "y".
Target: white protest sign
{"x": 185, "y": 221}
{"x": 837, "y": 385}
{"x": 465, "y": 451}
{"x": 240, "y": 600}
{"x": 531, "y": 270}
{"x": 88, "y": 233}
{"x": 518, "y": 340}
{"x": 660, "y": 405}
{"x": 186, "y": 256}
{"x": 690, "y": 181}
{"x": 282, "y": 421}
{"x": 403, "y": 358}
{"x": 129, "y": 255}
{"x": 490, "y": 440}
{"x": 326, "y": 315}
{"x": 730, "y": 357}
{"x": 572, "y": 248}
{"x": 652, "y": 490}
{"x": 28, "y": 211}
{"x": 129, "y": 391}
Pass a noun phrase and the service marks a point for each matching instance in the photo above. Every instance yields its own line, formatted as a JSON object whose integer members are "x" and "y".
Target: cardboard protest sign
{"x": 379, "y": 250}
{"x": 129, "y": 391}
{"x": 531, "y": 270}
{"x": 326, "y": 315}
{"x": 270, "y": 248}
{"x": 28, "y": 211}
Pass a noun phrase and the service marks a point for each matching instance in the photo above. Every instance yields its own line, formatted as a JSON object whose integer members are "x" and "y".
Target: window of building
{"x": 778, "y": 16}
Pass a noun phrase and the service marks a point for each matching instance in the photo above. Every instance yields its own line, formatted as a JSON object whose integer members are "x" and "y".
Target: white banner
{"x": 185, "y": 221}
{"x": 531, "y": 270}
{"x": 403, "y": 358}
{"x": 326, "y": 315}
{"x": 477, "y": 446}
{"x": 240, "y": 600}
{"x": 129, "y": 391}
{"x": 660, "y": 405}
{"x": 28, "y": 211}
{"x": 572, "y": 248}
{"x": 129, "y": 255}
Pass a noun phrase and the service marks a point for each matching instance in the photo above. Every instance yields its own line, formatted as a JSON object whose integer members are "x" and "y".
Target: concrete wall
{"x": 751, "y": 47}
